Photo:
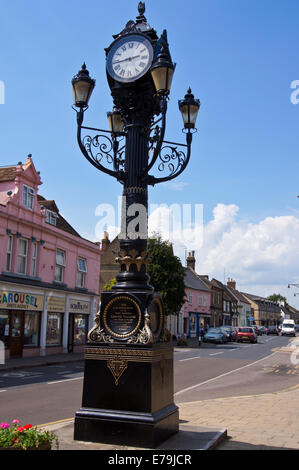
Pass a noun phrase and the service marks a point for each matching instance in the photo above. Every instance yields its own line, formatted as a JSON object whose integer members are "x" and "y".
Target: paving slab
{"x": 189, "y": 437}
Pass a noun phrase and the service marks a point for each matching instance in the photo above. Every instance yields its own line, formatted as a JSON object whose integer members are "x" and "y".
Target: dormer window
{"x": 51, "y": 217}
{"x": 28, "y": 197}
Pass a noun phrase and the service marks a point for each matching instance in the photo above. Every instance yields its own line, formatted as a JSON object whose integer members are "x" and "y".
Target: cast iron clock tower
{"x": 128, "y": 379}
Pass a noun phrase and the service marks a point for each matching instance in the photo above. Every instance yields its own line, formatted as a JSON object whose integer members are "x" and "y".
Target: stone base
{"x": 127, "y": 395}
{"x": 146, "y": 430}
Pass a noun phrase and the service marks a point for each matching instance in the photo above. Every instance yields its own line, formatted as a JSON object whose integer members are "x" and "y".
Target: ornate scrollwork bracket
{"x": 144, "y": 336}
{"x": 98, "y": 334}
{"x": 101, "y": 148}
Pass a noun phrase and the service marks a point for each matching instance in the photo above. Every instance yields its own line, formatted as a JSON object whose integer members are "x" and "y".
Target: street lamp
{"x": 189, "y": 108}
{"x": 83, "y": 86}
{"x": 129, "y": 355}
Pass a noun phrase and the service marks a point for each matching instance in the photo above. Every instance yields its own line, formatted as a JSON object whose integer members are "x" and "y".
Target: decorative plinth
{"x": 127, "y": 395}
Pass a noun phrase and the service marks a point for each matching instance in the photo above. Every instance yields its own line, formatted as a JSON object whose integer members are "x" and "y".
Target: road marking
{"x": 60, "y": 421}
{"x": 215, "y": 354}
{"x": 1, "y": 391}
{"x": 189, "y": 359}
{"x": 180, "y": 392}
{"x": 66, "y": 380}
{"x": 233, "y": 349}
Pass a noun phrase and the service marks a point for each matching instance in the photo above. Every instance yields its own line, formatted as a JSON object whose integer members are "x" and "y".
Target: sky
{"x": 240, "y": 58}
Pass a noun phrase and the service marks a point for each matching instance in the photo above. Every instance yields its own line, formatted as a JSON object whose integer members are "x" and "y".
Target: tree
{"x": 110, "y": 284}
{"x": 166, "y": 274}
{"x": 278, "y": 298}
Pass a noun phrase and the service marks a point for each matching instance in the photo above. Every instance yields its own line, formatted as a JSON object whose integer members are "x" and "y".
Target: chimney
{"x": 231, "y": 283}
{"x": 105, "y": 241}
{"x": 191, "y": 260}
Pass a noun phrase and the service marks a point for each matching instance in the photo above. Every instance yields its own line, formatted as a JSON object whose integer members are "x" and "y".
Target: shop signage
{"x": 79, "y": 306}
{"x": 56, "y": 304}
{"x": 21, "y": 301}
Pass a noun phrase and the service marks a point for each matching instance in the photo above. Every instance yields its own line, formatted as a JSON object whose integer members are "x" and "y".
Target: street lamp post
{"x": 128, "y": 379}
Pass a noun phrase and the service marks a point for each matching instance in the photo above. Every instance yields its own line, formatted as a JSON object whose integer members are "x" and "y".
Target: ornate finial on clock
{"x": 141, "y": 8}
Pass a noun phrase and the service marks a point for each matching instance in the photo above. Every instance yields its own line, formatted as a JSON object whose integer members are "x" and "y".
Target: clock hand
{"x": 124, "y": 60}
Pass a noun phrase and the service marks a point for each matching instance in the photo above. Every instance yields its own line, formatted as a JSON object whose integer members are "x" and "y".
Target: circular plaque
{"x": 122, "y": 317}
{"x": 156, "y": 316}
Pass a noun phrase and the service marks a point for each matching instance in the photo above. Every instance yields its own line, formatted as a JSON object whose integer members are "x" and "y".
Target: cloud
{"x": 261, "y": 257}
{"x": 177, "y": 185}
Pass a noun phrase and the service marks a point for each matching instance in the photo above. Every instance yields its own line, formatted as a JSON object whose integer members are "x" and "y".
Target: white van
{"x": 288, "y": 328}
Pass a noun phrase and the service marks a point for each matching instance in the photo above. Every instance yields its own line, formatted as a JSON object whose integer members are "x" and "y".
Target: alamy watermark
{"x": 295, "y": 94}
{"x": 179, "y": 223}
{"x": 2, "y": 92}
{"x": 295, "y": 353}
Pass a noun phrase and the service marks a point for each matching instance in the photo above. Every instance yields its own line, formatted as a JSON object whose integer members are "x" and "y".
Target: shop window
{"x": 81, "y": 273}
{"x": 31, "y": 329}
{"x": 28, "y": 197}
{"x": 60, "y": 265}
{"x": 80, "y": 329}
{"x": 4, "y": 327}
{"x": 22, "y": 256}
{"x": 54, "y": 329}
{"x": 9, "y": 253}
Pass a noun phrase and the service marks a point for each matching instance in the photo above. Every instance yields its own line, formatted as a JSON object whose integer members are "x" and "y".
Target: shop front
{"x": 20, "y": 320}
{"x": 43, "y": 323}
{"x": 197, "y": 321}
{"x": 79, "y": 313}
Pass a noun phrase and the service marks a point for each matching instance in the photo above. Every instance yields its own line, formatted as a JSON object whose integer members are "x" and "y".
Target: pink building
{"x": 49, "y": 274}
{"x": 197, "y": 308}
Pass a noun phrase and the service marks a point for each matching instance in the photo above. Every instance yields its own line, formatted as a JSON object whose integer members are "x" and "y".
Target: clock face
{"x": 130, "y": 58}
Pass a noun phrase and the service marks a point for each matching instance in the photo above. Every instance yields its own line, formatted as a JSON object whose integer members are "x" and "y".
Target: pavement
{"x": 268, "y": 421}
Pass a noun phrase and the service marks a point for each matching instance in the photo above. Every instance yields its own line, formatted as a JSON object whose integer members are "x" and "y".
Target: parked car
{"x": 230, "y": 332}
{"x": 272, "y": 330}
{"x": 215, "y": 335}
{"x": 246, "y": 333}
{"x": 261, "y": 330}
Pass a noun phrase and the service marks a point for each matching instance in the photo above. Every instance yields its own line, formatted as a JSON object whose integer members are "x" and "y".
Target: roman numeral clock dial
{"x": 129, "y": 58}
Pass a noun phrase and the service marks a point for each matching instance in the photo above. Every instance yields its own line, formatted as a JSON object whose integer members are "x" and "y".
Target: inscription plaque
{"x": 122, "y": 317}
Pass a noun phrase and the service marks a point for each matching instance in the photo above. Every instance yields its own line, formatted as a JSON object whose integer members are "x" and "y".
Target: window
{"x": 205, "y": 301}
{"x": 4, "y": 327}
{"x": 200, "y": 300}
{"x": 51, "y": 217}
{"x": 80, "y": 329}
{"x": 54, "y": 329}
{"x": 31, "y": 329}
{"x": 60, "y": 265}
{"x": 9, "y": 253}
{"x": 81, "y": 273}
{"x": 34, "y": 258}
{"x": 190, "y": 298}
{"x": 22, "y": 256}
{"x": 28, "y": 197}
